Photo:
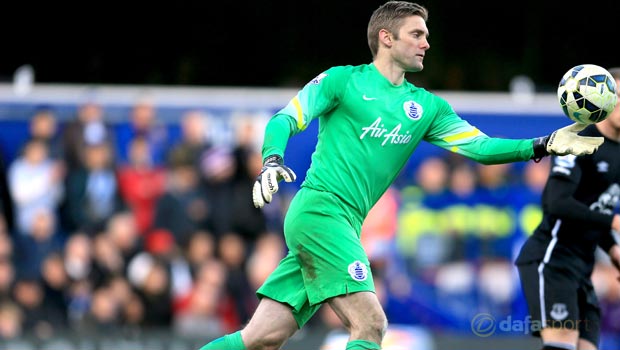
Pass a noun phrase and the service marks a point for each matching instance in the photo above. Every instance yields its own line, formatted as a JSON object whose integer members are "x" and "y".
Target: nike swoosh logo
{"x": 368, "y": 98}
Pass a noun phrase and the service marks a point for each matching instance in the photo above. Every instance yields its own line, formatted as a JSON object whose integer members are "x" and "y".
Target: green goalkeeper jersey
{"x": 368, "y": 129}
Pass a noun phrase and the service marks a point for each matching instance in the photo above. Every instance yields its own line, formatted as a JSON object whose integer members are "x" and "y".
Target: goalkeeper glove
{"x": 266, "y": 183}
{"x": 566, "y": 141}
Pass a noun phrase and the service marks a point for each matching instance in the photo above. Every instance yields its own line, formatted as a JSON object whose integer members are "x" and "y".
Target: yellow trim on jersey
{"x": 462, "y": 135}
{"x": 300, "y": 113}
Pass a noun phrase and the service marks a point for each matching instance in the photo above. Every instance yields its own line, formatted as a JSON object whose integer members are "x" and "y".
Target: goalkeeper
{"x": 370, "y": 122}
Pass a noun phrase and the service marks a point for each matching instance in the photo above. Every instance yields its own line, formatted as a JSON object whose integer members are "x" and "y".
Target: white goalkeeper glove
{"x": 566, "y": 141}
{"x": 266, "y": 183}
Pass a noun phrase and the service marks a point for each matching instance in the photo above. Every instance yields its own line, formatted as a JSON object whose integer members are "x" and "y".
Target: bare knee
{"x": 270, "y": 326}
{"x": 372, "y": 327}
{"x": 362, "y": 314}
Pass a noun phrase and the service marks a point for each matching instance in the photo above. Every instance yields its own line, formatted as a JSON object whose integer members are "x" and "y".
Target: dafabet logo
{"x": 484, "y": 325}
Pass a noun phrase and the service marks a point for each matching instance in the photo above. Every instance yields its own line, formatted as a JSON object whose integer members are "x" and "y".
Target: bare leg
{"x": 362, "y": 315}
{"x": 270, "y": 327}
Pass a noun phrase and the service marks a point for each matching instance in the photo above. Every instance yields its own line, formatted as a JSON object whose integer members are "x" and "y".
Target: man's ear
{"x": 386, "y": 38}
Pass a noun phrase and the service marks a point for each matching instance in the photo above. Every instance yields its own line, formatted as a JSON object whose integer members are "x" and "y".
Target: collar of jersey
{"x": 388, "y": 84}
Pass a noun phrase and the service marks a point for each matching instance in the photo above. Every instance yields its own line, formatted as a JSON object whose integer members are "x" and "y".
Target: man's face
{"x": 409, "y": 49}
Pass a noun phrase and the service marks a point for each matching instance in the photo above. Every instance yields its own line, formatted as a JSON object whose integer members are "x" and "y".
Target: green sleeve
{"x": 451, "y": 132}
{"x": 277, "y": 132}
{"x": 489, "y": 150}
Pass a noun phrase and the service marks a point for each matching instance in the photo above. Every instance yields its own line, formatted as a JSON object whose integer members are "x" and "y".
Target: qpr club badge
{"x": 358, "y": 271}
{"x": 413, "y": 110}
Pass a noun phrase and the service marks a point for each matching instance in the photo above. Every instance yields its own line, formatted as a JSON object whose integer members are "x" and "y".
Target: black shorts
{"x": 568, "y": 300}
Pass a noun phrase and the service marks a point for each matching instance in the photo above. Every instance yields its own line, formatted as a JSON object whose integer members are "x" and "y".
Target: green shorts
{"x": 325, "y": 257}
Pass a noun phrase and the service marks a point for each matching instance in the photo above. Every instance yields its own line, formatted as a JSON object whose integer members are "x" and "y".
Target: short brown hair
{"x": 389, "y": 16}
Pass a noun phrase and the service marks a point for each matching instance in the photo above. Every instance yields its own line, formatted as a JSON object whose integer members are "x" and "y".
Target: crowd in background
{"x": 111, "y": 227}
{"x": 119, "y": 228}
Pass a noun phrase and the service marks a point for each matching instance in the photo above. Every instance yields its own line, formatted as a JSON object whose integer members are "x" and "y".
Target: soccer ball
{"x": 587, "y": 93}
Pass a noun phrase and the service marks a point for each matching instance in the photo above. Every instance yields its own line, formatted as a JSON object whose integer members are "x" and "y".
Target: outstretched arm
{"x": 451, "y": 132}
{"x": 462, "y": 138}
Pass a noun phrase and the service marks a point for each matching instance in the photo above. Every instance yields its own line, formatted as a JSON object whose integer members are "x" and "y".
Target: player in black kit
{"x": 555, "y": 263}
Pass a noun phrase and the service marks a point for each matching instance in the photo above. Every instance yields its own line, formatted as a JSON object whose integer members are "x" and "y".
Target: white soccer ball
{"x": 587, "y": 93}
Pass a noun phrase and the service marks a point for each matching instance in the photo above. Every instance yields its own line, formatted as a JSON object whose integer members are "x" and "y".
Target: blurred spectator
{"x": 160, "y": 243}
{"x": 151, "y": 278}
{"x": 123, "y": 234}
{"x": 183, "y": 208}
{"x": 132, "y": 312}
{"x": 43, "y": 126}
{"x": 199, "y": 248}
{"x": 108, "y": 261}
{"x": 55, "y": 286}
{"x": 194, "y": 135}
{"x": 131, "y": 309}
{"x": 41, "y": 319}
{"x": 214, "y": 164}
{"x": 11, "y": 318}
{"x": 103, "y": 315}
{"x": 88, "y": 128}
{"x": 141, "y": 184}
{"x": 78, "y": 303}
{"x": 143, "y": 123}
{"x": 495, "y": 176}
{"x": 35, "y": 183}
{"x": 246, "y": 220}
{"x": 92, "y": 192}
{"x": 32, "y": 248}
{"x": 78, "y": 256}
{"x": 218, "y": 167}
{"x": 232, "y": 250}
{"x": 201, "y": 315}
